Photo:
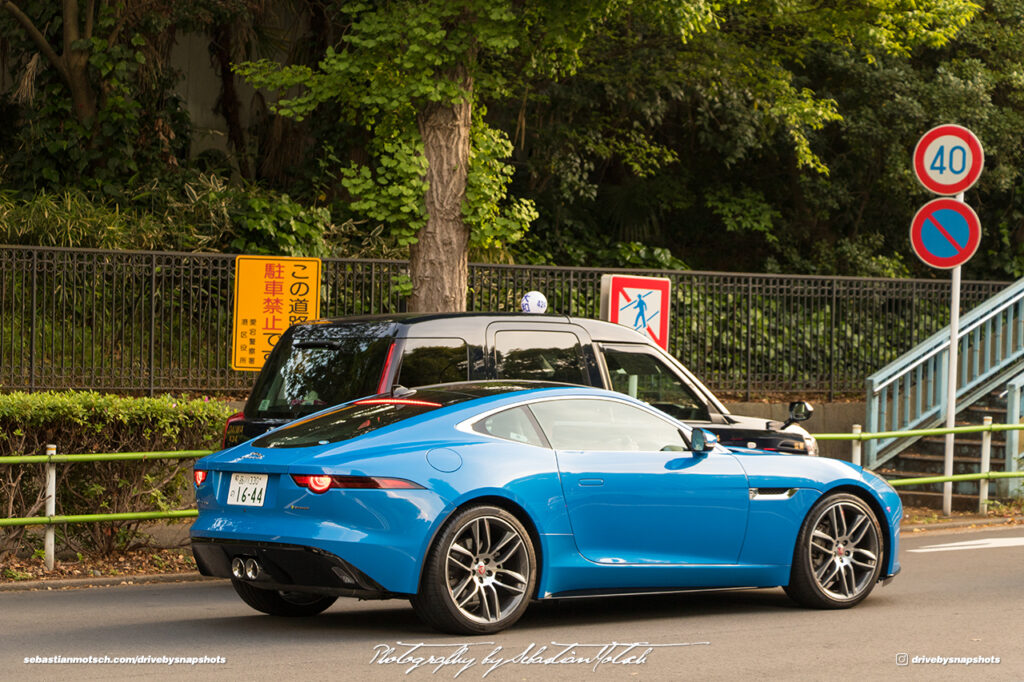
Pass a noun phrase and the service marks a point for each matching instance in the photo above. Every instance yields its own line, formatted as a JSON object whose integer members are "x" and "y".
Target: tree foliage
{"x": 763, "y": 135}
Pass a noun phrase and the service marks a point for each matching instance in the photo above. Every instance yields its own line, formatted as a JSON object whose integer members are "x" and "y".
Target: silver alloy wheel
{"x": 844, "y": 550}
{"x": 487, "y": 569}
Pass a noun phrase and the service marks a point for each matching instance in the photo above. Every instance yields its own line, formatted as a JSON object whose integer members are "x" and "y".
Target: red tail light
{"x": 199, "y": 476}
{"x": 396, "y": 401}
{"x": 236, "y": 417}
{"x": 322, "y": 483}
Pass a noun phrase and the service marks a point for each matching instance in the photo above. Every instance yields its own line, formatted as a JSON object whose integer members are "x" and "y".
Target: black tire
{"x": 839, "y": 554}
{"x": 480, "y": 573}
{"x": 275, "y": 603}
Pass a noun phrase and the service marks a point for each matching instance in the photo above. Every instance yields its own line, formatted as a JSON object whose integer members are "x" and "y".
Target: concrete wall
{"x": 827, "y": 418}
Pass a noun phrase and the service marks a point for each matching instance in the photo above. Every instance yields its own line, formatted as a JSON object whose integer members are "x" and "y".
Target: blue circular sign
{"x": 945, "y": 233}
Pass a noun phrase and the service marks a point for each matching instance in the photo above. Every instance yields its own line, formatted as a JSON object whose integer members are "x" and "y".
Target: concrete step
{"x": 927, "y": 458}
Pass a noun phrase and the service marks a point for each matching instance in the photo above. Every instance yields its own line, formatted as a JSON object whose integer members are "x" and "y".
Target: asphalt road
{"x": 963, "y": 602}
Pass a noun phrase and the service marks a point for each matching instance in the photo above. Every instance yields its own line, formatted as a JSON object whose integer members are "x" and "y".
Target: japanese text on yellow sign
{"x": 271, "y": 293}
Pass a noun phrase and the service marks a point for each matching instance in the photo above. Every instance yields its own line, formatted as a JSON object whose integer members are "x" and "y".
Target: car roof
{"x": 427, "y": 324}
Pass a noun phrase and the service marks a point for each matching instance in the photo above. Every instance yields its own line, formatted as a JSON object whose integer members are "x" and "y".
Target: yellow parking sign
{"x": 271, "y": 294}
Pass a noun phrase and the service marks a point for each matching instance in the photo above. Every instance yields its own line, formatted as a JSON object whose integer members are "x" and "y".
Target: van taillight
{"x": 232, "y": 427}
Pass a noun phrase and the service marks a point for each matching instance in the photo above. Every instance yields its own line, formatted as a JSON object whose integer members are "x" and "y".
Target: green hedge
{"x": 81, "y": 422}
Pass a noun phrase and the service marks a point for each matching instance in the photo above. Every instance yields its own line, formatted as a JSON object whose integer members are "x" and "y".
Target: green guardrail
{"x": 95, "y": 518}
{"x": 51, "y": 459}
{"x": 105, "y": 457}
{"x": 923, "y": 480}
{"x": 980, "y": 428}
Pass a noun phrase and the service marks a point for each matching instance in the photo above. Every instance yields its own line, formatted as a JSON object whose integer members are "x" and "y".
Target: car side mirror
{"x": 702, "y": 441}
{"x": 799, "y": 411}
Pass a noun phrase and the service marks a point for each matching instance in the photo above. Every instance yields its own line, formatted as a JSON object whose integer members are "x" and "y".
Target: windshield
{"x": 306, "y": 376}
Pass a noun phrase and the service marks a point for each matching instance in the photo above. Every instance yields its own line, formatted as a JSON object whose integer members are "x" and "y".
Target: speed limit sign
{"x": 948, "y": 159}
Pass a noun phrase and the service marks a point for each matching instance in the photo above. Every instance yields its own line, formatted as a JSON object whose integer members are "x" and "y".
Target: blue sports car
{"x": 473, "y": 499}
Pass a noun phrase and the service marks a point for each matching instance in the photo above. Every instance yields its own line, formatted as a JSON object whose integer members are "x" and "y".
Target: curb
{"x": 978, "y": 522}
{"x": 72, "y": 583}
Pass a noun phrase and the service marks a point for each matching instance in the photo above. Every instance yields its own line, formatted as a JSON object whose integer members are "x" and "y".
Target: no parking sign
{"x": 945, "y": 233}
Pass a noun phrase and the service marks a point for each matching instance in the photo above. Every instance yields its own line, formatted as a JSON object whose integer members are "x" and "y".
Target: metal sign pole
{"x": 951, "y": 381}
{"x": 954, "y": 330}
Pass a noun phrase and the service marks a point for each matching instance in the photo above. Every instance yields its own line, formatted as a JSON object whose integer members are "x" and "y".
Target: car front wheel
{"x": 480, "y": 573}
{"x": 277, "y": 603}
{"x": 838, "y": 555}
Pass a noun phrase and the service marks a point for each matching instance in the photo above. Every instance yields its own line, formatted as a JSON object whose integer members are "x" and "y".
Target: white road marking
{"x": 973, "y": 544}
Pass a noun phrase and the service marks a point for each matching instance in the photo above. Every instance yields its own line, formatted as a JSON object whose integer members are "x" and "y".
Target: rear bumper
{"x": 293, "y": 568}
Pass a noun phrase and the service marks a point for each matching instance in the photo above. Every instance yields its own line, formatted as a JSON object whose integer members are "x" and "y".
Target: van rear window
{"x": 307, "y": 376}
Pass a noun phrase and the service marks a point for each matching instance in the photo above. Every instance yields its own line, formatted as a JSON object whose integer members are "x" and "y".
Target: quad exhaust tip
{"x": 252, "y": 569}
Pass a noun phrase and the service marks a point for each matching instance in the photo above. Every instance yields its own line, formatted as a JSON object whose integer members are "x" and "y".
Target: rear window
{"x": 306, "y": 376}
{"x": 369, "y": 414}
{"x": 347, "y": 422}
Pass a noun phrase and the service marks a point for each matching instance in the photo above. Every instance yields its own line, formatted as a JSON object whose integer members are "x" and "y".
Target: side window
{"x": 433, "y": 361}
{"x": 539, "y": 355}
{"x": 605, "y": 426}
{"x": 640, "y": 374}
{"x": 514, "y": 424}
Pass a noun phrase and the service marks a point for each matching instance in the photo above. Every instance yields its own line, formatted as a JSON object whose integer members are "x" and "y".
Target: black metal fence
{"x": 155, "y": 322}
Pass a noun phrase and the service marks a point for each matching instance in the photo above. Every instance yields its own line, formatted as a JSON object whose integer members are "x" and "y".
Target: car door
{"x": 635, "y": 493}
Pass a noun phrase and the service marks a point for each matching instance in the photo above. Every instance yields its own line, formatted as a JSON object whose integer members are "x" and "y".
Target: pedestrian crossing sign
{"x": 641, "y": 303}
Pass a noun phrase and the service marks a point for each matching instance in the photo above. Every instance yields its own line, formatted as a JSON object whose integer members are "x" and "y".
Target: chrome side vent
{"x": 772, "y": 493}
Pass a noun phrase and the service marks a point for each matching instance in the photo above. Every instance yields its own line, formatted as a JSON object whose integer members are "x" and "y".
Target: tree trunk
{"x": 83, "y": 99}
{"x": 438, "y": 263}
{"x": 229, "y": 104}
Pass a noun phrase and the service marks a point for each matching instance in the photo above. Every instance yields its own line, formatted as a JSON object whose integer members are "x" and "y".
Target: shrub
{"x": 90, "y": 422}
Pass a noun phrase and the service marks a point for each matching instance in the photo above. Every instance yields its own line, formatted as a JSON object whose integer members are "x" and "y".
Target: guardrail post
{"x": 856, "y": 445}
{"x": 51, "y": 505}
{"x": 986, "y": 461}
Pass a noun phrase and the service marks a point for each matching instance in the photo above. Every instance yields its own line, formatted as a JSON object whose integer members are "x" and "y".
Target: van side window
{"x": 433, "y": 361}
{"x": 639, "y": 373}
{"x": 539, "y": 355}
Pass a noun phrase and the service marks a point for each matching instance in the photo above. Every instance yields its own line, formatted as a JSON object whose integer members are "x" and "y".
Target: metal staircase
{"x": 910, "y": 393}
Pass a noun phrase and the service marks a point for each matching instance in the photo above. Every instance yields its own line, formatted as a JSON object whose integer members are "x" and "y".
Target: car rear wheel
{"x": 278, "y": 603}
{"x": 480, "y": 573}
{"x": 838, "y": 556}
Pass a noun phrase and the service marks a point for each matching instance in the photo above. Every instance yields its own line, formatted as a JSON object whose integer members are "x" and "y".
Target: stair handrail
{"x": 939, "y": 341}
{"x": 930, "y": 405}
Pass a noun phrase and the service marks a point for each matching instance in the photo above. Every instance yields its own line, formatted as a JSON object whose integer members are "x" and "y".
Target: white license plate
{"x": 247, "y": 489}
